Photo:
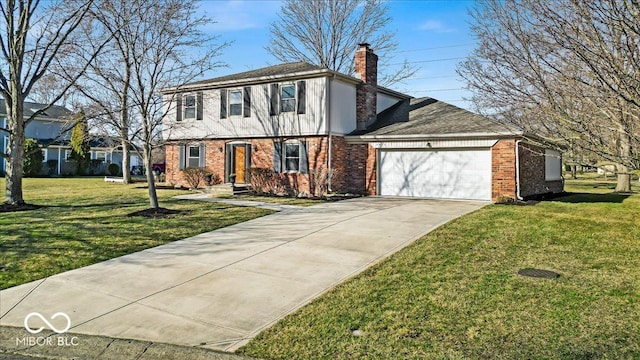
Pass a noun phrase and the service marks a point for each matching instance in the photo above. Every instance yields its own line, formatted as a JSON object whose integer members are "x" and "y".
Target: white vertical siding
{"x": 342, "y": 107}
{"x": 259, "y": 124}
{"x": 385, "y": 101}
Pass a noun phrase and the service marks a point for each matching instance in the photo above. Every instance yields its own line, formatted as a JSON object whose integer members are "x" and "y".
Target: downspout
{"x": 330, "y": 152}
{"x": 518, "y": 170}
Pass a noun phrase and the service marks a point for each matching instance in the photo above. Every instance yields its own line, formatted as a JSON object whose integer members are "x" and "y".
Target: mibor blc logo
{"x": 50, "y": 325}
{"x": 33, "y": 324}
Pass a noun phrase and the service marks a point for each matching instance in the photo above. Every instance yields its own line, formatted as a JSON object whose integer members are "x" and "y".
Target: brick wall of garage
{"x": 532, "y": 172}
{"x": 503, "y": 170}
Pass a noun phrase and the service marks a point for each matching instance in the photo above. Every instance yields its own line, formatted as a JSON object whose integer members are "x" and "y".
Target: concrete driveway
{"x": 219, "y": 289}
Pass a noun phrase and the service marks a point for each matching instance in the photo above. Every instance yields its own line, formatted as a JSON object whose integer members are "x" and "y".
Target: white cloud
{"x": 435, "y": 26}
{"x": 235, "y": 15}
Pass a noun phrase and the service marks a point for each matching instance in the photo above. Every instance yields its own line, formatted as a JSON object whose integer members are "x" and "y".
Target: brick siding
{"x": 532, "y": 172}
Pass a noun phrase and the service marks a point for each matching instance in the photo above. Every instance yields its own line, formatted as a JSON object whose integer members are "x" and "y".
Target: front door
{"x": 239, "y": 159}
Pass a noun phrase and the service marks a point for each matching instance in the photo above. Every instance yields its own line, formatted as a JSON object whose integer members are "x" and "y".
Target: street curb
{"x": 79, "y": 346}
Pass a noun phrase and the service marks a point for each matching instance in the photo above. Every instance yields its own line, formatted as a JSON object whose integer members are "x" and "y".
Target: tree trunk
{"x": 574, "y": 171}
{"x": 624, "y": 179}
{"x": 126, "y": 159}
{"x": 15, "y": 162}
{"x": 153, "y": 196}
{"x": 624, "y": 175}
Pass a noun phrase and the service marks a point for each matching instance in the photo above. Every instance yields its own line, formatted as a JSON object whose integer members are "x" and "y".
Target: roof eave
{"x": 422, "y": 137}
{"x": 260, "y": 80}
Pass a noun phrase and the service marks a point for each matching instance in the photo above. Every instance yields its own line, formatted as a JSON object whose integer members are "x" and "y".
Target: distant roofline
{"x": 28, "y": 104}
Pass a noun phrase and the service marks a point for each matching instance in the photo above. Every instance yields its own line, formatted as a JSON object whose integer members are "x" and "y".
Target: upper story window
{"x": 190, "y": 107}
{"x": 287, "y": 98}
{"x": 235, "y": 103}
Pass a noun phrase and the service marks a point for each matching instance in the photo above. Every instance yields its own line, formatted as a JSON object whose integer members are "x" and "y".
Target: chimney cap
{"x": 364, "y": 45}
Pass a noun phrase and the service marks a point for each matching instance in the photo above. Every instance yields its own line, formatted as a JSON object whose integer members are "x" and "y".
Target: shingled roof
{"x": 269, "y": 71}
{"x": 430, "y": 117}
{"x": 55, "y": 112}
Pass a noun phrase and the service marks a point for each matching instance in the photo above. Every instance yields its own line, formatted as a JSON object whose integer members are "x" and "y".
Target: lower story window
{"x": 67, "y": 154}
{"x": 193, "y": 158}
{"x": 292, "y": 157}
{"x": 101, "y": 155}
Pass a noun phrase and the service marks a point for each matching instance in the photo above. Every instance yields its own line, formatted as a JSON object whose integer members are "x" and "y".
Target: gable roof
{"x": 54, "y": 112}
{"x": 269, "y": 71}
{"x": 281, "y": 72}
{"x": 428, "y": 117}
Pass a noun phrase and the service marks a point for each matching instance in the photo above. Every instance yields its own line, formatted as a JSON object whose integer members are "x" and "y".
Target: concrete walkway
{"x": 219, "y": 289}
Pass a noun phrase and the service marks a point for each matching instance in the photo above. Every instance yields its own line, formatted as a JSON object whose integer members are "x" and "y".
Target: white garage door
{"x": 447, "y": 174}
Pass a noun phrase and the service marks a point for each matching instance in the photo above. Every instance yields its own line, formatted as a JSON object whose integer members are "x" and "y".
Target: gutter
{"x": 454, "y": 136}
{"x": 518, "y": 170}
{"x": 330, "y": 152}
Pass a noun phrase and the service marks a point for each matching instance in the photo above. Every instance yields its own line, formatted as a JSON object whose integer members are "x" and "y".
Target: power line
{"x": 428, "y": 61}
{"x": 435, "y": 77}
{"x": 434, "y": 90}
{"x": 435, "y": 48}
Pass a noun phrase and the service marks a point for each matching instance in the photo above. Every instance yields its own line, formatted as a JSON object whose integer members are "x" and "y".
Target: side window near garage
{"x": 552, "y": 165}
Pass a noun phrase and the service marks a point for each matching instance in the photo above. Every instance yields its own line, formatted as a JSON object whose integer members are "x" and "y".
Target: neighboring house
{"x": 302, "y": 120}
{"x": 52, "y": 131}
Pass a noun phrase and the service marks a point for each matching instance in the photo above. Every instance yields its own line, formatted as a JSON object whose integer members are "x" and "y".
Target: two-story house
{"x": 51, "y": 130}
{"x": 302, "y": 120}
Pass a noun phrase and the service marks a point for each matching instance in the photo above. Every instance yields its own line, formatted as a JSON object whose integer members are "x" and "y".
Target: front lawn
{"x": 85, "y": 220}
{"x": 455, "y": 293}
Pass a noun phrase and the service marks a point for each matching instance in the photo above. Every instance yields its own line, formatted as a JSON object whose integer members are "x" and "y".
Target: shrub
{"x": 194, "y": 176}
{"x": 114, "y": 169}
{"x": 319, "y": 181}
{"x": 266, "y": 181}
{"x": 32, "y": 158}
{"x": 213, "y": 179}
{"x": 94, "y": 166}
{"x": 52, "y": 165}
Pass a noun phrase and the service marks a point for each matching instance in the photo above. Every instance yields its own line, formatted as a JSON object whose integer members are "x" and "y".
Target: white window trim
{"x": 241, "y": 91}
{"x": 295, "y": 97}
{"x": 45, "y": 152}
{"x": 552, "y": 155}
{"x": 67, "y": 154}
{"x": 189, "y": 157}
{"x": 95, "y": 155}
{"x": 284, "y": 156}
{"x": 185, "y": 107}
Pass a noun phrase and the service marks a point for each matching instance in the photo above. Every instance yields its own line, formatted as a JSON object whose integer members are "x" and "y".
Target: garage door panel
{"x": 452, "y": 174}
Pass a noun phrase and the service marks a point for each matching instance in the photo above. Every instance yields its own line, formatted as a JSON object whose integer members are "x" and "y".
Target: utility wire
{"x": 435, "y": 48}
{"x": 428, "y": 61}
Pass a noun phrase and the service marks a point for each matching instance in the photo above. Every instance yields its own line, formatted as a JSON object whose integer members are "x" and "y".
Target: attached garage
{"x": 442, "y": 173}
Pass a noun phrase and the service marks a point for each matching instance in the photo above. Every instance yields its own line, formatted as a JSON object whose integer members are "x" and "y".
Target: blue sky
{"x": 428, "y": 32}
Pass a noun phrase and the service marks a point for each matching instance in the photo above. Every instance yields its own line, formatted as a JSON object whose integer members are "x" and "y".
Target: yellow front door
{"x": 239, "y": 161}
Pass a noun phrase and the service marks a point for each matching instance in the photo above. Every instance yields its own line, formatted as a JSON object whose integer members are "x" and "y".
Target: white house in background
{"x": 51, "y": 130}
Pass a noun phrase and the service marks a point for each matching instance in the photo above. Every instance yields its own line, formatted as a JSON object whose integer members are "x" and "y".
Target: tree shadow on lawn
{"x": 576, "y": 198}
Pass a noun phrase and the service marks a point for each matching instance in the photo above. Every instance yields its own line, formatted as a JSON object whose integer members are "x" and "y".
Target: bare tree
{"x": 566, "y": 70}
{"x": 170, "y": 50}
{"x": 32, "y": 38}
{"x": 327, "y": 32}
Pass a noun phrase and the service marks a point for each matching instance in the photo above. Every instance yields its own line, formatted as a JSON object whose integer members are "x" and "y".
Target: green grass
{"x": 84, "y": 221}
{"x": 455, "y": 293}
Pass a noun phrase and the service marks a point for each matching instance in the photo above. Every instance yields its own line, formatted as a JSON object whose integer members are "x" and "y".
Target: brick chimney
{"x": 366, "y": 62}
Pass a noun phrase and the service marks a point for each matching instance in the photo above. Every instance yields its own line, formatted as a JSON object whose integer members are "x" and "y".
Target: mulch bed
{"x": 156, "y": 213}
{"x": 4, "y": 207}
